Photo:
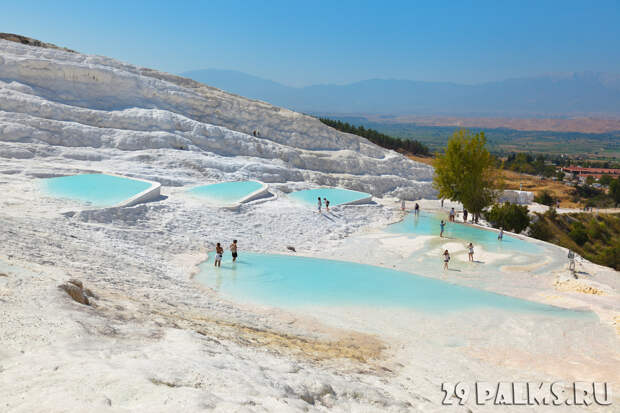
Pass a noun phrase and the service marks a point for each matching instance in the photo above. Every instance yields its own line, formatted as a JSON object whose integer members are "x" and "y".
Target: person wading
{"x": 233, "y": 250}
{"x": 219, "y": 251}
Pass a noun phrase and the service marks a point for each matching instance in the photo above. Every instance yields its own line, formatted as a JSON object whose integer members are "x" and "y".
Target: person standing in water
{"x": 446, "y": 259}
{"x": 219, "y": 251}
{"x": 417, "y": 209}
{"x": 442, "y": 224}
{"x": 402, "y": 205}
{"x": 319, "y": 205}
{"x": 452, "y": 214}
{"x": 233, "y": 250}
{"x": 500, "y": 236}
{"x": 471, "y": 251}
{"x": 326, "y": 202}
{"x": 465, "y": 213}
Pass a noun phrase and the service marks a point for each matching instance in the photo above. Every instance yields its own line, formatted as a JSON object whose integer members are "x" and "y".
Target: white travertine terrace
{"x": 78, "y": 101}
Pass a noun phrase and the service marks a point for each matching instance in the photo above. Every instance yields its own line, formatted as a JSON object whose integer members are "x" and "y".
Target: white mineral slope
{"x": 74, "y": 100}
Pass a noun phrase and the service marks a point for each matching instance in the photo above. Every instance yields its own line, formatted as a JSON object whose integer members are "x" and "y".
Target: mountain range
{"x": 583, "y": 93}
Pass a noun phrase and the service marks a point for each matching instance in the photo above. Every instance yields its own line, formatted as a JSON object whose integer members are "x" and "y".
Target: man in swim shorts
{"x": 219, "y": 251}
{"x": 233, "y": 250}
{"x": 442, "y": 224}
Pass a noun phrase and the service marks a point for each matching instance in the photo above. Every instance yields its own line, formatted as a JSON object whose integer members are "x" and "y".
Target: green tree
{"x": 511, "y": 217}
{"x": 545, "y": 197}
{"x": 578, "y": 233}
{"x": 589, "y": 180}
{"x": 540, "y": 229}
{"x": 466, "y": 172}
{"x": 605, "y": 180}
{"x": 614, "y": 190}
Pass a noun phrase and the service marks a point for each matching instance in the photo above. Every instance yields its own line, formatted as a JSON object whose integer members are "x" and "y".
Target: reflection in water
{"x": 228, "y": 270}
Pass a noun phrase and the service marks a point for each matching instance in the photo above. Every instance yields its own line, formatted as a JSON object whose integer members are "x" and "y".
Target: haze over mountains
{"x": 585, "y": 93}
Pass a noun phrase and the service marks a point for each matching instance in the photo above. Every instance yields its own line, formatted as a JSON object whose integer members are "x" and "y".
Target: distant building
{"x": 593, "y": 172}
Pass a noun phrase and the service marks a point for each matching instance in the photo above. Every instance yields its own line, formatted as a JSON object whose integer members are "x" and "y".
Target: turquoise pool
{"x": 290, "y": 281}
{"x": 95, "y": 189}
{"x": 335, "y": 196}
{"x": 226, "y": 192}
{"x": 428, "y": 224}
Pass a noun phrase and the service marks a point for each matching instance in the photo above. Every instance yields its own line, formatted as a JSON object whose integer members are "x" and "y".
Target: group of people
{"x": 219, "y": 252}
{"x": 446, "y": 255}
{"x": 470, "y": 247}
{"x": 320, "y": 204}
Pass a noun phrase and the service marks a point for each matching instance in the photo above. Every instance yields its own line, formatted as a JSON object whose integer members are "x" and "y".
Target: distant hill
{"x": 584, "y": 93}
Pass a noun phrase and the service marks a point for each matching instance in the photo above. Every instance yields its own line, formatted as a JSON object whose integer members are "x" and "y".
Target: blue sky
{"x": 301, "y": 43}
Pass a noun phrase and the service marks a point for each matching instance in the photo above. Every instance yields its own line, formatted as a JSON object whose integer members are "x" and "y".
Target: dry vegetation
{"x": 516, "y": 180}
{"x": 595, "y": 237}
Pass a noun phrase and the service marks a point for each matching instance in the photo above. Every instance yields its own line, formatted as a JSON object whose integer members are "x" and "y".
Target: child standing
{"x": 446, "y": 259}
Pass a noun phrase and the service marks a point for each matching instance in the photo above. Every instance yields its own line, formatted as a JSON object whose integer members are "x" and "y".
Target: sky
{"x": 340, "y": 41}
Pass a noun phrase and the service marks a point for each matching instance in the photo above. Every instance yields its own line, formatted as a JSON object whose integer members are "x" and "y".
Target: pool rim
{"x": 149, "y": 194}
{"x": 360, "y": 201}
{"x": 235, "y": 205}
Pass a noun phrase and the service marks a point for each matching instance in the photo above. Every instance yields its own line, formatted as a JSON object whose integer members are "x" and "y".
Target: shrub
{"x": 551, "y": 213}
{"x": 540, "y": 230}
{"x": 614, "y": 190}
{"x": 596, "y": 230}
{"x": 512, "y": 217}
{"x": 578, "y": 233}
{"x": 544, "y": 197}
{"x": 610, "y": 256}
{"x": 605, "y": 180}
